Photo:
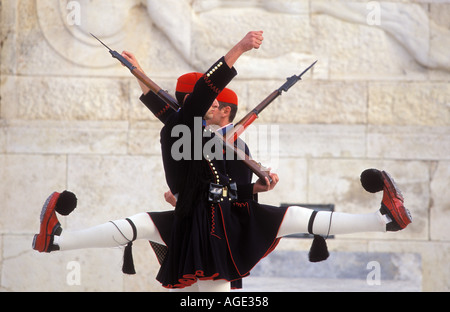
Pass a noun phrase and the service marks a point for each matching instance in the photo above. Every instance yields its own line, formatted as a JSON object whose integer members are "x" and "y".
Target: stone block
{"x": 144, "y": 138}
{"x": 114, "y": 187}
{"x": 284, "y": 270}
{"x": 408, "y": 142}
{"x": 67, "y": 98}
{"x": 409, "y": 104}
{"x": 357, "y": 51}
{"x": 435, "y": 255}
{"x": 278, "y": 45}
{"x": 67, "y": 137}
{"x": 292, "y": 185}
{"x": 48, "y": 42}
{"x": 2, "y": 135}
{"x": 440, "y": 202}
{"x": 317, "y": 141}
{"x": 345, "y": 265}
{"x": 31, "y": 179}
{"x": 8, "y": 36}
{"x": 311, "y": 102}
{"x": 7, "y": 94}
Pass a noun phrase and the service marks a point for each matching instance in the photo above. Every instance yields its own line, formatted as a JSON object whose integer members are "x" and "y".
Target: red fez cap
{"x": 187, "y": 82}
{"x": 228, "y": 96}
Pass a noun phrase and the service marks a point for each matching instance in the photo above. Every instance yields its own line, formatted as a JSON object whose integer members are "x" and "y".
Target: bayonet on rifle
{"x": 116, "y": 55}
{"x": 164, "y": 95}
{"x": 253, "y": 114}
{"x": 293, "y": 80}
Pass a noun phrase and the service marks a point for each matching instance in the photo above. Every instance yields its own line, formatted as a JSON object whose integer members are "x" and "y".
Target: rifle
{"x": 248, "y": 119}
{"x": 173, "y": 103}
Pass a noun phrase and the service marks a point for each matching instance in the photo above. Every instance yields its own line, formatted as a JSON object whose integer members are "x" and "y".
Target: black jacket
{"x": 190, "y": 176}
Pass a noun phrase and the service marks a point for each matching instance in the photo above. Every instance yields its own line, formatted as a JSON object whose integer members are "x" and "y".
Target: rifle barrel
{"x": 164, "y": 95}
{"x": 251, "y": 116}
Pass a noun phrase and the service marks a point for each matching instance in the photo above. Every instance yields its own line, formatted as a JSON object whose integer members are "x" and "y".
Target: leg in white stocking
{"x": 206, "y": 286}
{"x": 214, "y": 286}
{"x": 111, "y": 234}
{"x": 297, "y": 220}
{"x": 347, "y": 223}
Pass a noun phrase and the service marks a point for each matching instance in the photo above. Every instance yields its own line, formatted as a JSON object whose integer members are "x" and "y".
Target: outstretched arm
{"x": 252, "y": 40}
{"x": 218, "y": 76}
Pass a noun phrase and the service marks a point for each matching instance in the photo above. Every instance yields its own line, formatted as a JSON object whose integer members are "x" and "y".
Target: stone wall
{"x": 70, "y": 118}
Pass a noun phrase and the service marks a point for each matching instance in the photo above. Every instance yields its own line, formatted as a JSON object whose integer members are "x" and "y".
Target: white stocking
{"x": 206, "y": 286}
{"x": 111, "y": 234}
{"x": 214, "y": 286}
{"x": 297, "y": 219}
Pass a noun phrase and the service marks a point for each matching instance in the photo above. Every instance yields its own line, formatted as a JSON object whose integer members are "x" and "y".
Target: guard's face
{"x": 211, "y": 113}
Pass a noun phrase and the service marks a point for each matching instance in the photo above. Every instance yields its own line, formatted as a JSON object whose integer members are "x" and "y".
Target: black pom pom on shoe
{"x": 67, "y": 202}
{"x": 372, "y": 180}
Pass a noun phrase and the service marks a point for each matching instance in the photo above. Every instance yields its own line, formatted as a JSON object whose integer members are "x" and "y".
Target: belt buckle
{"x": 215, "y": 192}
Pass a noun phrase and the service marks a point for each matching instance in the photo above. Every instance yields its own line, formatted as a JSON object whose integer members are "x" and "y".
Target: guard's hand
{"x": 168, "y": 196}
{"x": 252, "y": 40}
{"x": 264, "y": 185}
{"x": 132, "y": 59}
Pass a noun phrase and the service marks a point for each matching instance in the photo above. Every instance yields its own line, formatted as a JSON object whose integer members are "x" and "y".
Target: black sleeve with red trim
{"x": 157, "y": 106}
{"x": 208, "y": 88}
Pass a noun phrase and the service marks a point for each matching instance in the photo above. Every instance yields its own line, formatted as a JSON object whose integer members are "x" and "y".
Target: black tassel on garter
{"x": 319, "y": 250}
{"x": 128, "y": 263}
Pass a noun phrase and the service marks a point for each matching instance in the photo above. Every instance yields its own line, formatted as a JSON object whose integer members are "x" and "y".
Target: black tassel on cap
{"x": 319, "y": 250}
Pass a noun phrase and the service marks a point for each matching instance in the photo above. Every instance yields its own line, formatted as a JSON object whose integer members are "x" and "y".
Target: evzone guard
{"x": 221, "y": 114}
{"x": 217, "y": 232}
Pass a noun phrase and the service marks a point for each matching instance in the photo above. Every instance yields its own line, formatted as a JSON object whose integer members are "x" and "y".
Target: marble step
{"x": 342, "y": 271}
